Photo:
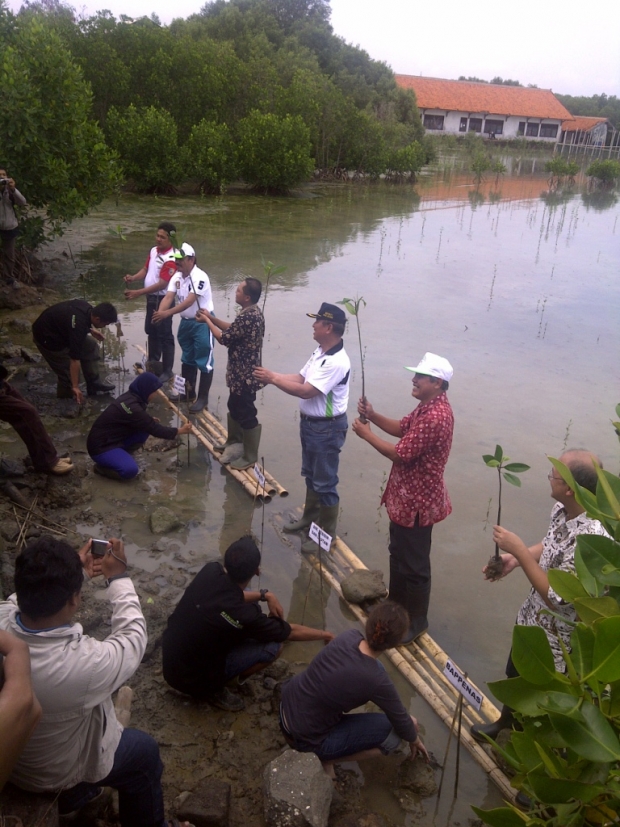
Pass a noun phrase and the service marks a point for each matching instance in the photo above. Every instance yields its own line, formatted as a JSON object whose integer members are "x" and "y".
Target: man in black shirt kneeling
{"x": 218, "y": 631}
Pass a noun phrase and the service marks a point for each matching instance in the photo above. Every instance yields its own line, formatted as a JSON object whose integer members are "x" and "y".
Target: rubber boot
{"x": 203, "y": 392}
{"x": 310, "y": 515}
{"x": 235, "y": 435}
{"x": 189, "y": 373}
{"x": 167, "y": 358}
{"x": 251, "y": 441}
{"x": 95, "y": 386}
{"x": 417, "y": 599}
{"x": 506, "y": 720}
{"x": 328, "y": 521}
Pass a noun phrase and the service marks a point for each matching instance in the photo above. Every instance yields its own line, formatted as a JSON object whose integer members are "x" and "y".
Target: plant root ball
{"x": 495, "y": 566}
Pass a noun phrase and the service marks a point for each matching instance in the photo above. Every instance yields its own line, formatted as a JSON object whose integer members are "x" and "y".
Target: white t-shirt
{"x": 329, "y": 373}
{"x": 155, "y": 268}
{"x": 196, "y": 283}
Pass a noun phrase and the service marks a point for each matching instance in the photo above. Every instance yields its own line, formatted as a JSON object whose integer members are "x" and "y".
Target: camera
{"x": 4, "y": 180}
{"x": 98, "y": 548}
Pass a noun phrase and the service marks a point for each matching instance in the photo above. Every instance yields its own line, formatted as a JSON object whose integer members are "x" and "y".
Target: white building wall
{"x": 510, "y": 129}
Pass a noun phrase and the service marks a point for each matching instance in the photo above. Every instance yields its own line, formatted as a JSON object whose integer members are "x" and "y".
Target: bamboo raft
{"x": 209, "y": 430}
{"x": 421, "y": 664}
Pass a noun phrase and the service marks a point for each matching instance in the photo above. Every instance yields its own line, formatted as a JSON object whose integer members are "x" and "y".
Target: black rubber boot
{"x": 417, "y": 599}
{"x": 203, "y": 392}
{"x": 167, "y": 358}
{"x": 235, "y": 436}
{"x": 328, "y": 521}
{"x": 505, "y": 721}
{"x": 310, "y": 515}
{"x": 95, "y": 386}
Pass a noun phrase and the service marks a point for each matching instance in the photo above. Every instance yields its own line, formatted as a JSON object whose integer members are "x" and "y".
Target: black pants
{"x": 160, "y": 335}
{"x": 243, "y": 410}
{"x": 410, "y": 553}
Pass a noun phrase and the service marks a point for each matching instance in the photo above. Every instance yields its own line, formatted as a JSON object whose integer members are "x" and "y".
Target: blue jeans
{"x": 248, "y": 655}
{"x": 355, "y": 733}
{"x": 136, "y": 774}
{"x": 196, "y": 342}
{"x": 321, "y": 443}
{"x": 119, "y": 460}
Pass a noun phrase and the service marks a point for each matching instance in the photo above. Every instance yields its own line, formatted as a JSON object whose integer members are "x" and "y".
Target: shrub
{"x": 605, "y": 172}
{"x": 209, "y": 155}
{"x": 273, "y": 151}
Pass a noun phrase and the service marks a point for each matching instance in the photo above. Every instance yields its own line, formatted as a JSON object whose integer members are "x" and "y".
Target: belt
{"x": 322, "y": 418}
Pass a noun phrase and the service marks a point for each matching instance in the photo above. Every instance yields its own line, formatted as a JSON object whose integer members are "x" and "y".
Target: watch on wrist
{"x": 263, "y": 595}
{"x": 116, "y": 577}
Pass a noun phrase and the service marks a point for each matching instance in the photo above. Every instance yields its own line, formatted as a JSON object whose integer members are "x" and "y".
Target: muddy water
{"x": 516, "y": 287}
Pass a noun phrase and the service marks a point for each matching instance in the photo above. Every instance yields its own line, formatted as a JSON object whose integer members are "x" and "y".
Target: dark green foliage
{"x": 274, "y": 152}
{"x": 210, "y": 156}
{"x": 146, "y": 140}
{"x": 560, "y": 168}
{"x": 49, "y": 143}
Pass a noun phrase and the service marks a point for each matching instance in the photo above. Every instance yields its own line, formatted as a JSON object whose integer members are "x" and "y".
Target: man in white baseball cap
{"x": 415, "y": 497}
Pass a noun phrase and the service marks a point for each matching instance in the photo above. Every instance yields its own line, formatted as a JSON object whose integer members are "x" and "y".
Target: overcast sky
{"x": 566, "y": 46}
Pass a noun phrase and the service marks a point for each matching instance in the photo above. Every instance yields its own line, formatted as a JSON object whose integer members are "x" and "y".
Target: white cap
{"x": 433, "y": 365}
{"x": 186, "y": 250}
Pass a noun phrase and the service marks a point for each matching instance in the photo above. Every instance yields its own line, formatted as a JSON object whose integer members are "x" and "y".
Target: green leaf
{"x": 590, "y": 609}
{"x": 585, "y": 730}
{"x": 608, "y": 493}
{"x": 522, "y": 696}
{"x": 560, "y": 790}
{"x": 554, "y": 765}
{"x": 526, "y": 750}
{"x": 517, "y": 467}
{"x": 613, "y": 702}
{"x": 501, "y": 817}
{"x": 582, "y": 649}
{"x": 499, "y": 453}
{"x": 606, "y": 666}
{"x": 531, "y": 654}
{"x": 583, "y": 573}
{"x": 601, "y": 556}
{"x": 566, "y": 584}
{"x": 512, "y": 479}
{"x": 492, "y": 463}
{"x": 584, "y": 497}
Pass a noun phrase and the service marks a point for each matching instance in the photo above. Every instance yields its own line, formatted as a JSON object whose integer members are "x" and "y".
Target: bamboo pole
{"x": 396, "y": 657}
{"x": 248, "y": 485}
{"x": 274, "y": 486}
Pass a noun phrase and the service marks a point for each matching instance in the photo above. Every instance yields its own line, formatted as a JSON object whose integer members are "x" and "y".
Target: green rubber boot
{"x": 328, "y": 521}
{"x": 310, "y": 515}
{"x": 251, "y": 441}
{"x": 235, "y": 435}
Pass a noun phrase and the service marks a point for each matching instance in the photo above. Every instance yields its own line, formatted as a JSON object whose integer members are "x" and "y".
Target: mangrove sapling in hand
{"x": 507, "y": 470}
{"x": 353, "y": 307}
{"x": 269, "y": 270}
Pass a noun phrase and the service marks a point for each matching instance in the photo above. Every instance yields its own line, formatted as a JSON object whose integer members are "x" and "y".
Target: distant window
{"x": 494, "y": 127}
{"x": 521, "y": 128}
{"x": 475, "y": 124}
{"x": 463, "y": 125}
{"x": 433, "y": 121}
{"x": 548, "y": 130}
{"x": 532, "y": 130}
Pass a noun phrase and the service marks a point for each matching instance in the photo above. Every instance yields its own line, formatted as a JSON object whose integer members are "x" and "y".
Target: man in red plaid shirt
{"x": 415, "y": 497}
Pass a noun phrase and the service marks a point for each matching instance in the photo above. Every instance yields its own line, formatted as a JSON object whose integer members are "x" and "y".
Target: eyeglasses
{"x": 550, "y": 476}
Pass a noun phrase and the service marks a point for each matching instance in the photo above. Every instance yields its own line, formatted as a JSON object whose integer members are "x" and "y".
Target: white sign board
{"x": 179, "y": 383}
{"x": 259, "y": 475}
{"x": 460, "y": 682}
{"x": 320, "y": 537}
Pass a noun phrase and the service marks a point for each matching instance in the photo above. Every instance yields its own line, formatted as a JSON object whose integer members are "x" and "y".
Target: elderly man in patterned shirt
{"x": 244, "y": 339}
{"x": 415, "y": 497}
{"x": 556, "y": 551}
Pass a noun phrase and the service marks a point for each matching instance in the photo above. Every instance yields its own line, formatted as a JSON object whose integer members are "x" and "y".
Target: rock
{"x": 29, "y": 355}
{"x": 207, "y": 806}
{"x": 417, "y": 776}
{"x": 20, "y": 325}
{"x": 163, "y": 520}
{"x": 298, "y": 793}
{"x": 363, "y": 585}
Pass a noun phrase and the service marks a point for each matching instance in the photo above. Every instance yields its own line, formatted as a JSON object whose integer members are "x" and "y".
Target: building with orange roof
{"x": 585, "y": 131}
{"x": 494, "y": 110}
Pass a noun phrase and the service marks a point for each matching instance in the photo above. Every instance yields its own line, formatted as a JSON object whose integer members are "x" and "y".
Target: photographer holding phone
{"x": 74, "y": 676}
{"x": 9, "y": 225}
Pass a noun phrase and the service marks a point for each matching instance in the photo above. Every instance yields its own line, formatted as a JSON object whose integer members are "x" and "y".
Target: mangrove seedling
{"x": 269, "y": 270}
{"x": 353, "y": 307}
{"x": 507, "y": 470}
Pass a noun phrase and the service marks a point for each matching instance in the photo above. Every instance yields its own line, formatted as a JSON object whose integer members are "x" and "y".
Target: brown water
{"x": 517, "y": 287}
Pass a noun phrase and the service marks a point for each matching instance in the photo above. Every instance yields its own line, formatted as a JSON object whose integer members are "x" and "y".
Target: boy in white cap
{"x": 415, "y": 497}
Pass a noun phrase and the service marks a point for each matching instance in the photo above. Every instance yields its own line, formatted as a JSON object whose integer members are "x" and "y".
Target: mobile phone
{"x": 98, "y": 548}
